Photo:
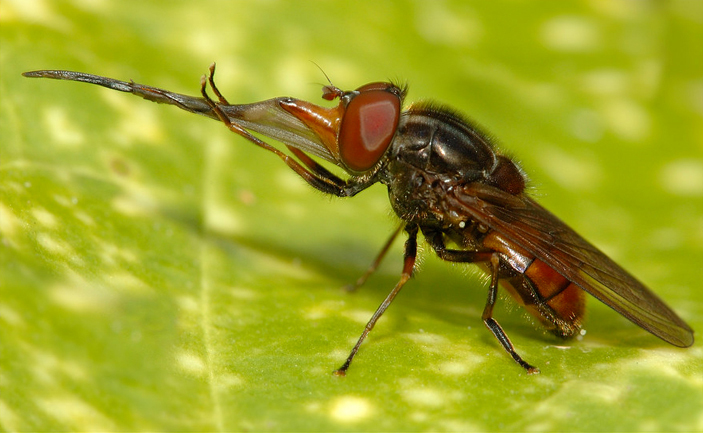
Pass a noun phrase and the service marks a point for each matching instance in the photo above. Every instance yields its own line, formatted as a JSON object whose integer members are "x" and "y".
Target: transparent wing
{"x": 532, "y": 227}
{"x": 265, "y": 117}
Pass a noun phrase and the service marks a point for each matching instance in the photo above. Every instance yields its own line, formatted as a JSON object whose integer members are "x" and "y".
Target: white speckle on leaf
{"x": 10, "y": 225}
{"x": 54, "y": 245}
{"x": 454, "y": 368}
{"x": 34, "y": 11}
{"x": 575, "y": 172}
{"x": 67, "y": 408}
{"x": 293, "y": 74}
{"x": 85, "y": 218}
{"x": 587, "y": 125}
{"x": 188, "y": 304}
{"x": 190, "y": 363}
{"x": 438, "y": 23}
{"x": 11, "y": 317}
{"x": 428, "y": 339}
{"x": 135, "y": 122}
{"x": 628, "y": 119}
{"x": 570, "y": 33}
{"x": 361, "y": 316}
{"x": 44, "y": 217}
{"x": 11, "y": 418}
{"x": 666, "y": 239}
{"x": 418, "y": 416}
{"x": 81, "y": 296}
{"x": 683, "y": 177}
{"x": 62, "y": 129}
{"x": 222, "y": 219}
{"x": 350, "y": 409}
{"x": 243, "y": 294}
{"x": 227, "y": 381}
{"x": 125, "y": 281}
{"x": 427, "y": 397}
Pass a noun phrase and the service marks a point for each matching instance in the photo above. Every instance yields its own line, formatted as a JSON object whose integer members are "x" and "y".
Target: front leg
{"x": 315, "y": 175}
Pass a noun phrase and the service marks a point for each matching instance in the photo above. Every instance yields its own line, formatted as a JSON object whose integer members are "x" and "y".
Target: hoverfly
{"x": 446, "y": 180}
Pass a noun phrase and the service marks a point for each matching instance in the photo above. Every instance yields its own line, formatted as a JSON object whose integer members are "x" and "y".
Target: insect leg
{"x": 376, "y": 262}
{"x": 493, "y": 325}
{"x": 466, "y": 256}
{"x": 215, "y": 90}
{"x": 314, "y": 167}
{"x": 471, "y": 256}
{"x": 408, "y": 266}
{"x": 330, "y": 185}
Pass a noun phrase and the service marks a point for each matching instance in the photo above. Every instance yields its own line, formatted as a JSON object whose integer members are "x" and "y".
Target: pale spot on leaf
{"x": 68, "y": 408}
{"x": 453, "y": 368}
{"x": 221, "y": 218}
{"x": 571, "y": 171}
{"x": 440, "y": 24}
{"x": 9, "y": 223}
{"x": 350, "y": 409}
{"x": 570, "y": 33}
{"x": 188, "y": 304}
{"x": 427, "y": 397}
{"x": 627, "y": 119}
{"x": 191, "y": 363}
{"x": 683, "y": 177}
{"x": 11, "y": 317}
{"x": 53, "y": 245}
{"x": 587, "y": 125}
{"x": 227, "y": 381}
{"x": 605, "y": 82}
{"x": 361, "y": 316}
{"x": 62, "y": 129}
{"x": 82, "y": 296}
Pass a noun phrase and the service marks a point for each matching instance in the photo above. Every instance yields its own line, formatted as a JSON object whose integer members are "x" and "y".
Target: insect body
{"x": 445, "y": 180}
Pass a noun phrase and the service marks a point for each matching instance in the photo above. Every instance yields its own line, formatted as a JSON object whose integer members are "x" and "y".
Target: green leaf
{"x": 161, "y": 273}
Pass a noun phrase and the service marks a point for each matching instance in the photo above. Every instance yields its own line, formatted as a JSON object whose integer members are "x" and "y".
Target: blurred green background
{"x": 160, "y": 273}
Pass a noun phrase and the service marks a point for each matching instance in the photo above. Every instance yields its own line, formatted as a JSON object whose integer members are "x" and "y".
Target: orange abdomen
{"x": 557, "y": 302}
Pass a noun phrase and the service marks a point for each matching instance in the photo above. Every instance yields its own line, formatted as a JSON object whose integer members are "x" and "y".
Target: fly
{"x": 445, "y": 180}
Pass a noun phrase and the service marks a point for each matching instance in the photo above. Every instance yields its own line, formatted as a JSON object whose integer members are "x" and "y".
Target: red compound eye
{"x": 368, "y": 125}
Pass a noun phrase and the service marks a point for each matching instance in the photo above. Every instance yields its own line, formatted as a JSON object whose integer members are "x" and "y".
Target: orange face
{"x": 359, "y": 130}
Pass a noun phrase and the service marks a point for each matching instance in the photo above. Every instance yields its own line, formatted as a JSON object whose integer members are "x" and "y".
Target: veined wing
{"x": 532, "y": 227}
